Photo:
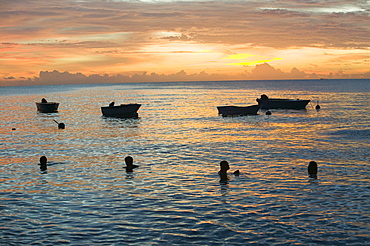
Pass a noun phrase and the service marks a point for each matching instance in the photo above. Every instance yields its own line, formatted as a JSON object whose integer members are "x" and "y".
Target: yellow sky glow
{"x": 198, "y": 37}
{"x": 245, "y": 57}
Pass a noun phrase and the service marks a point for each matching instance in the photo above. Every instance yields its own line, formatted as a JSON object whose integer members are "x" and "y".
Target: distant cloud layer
{"x": 154, "y": 39}
{"x": 260, "y": 72}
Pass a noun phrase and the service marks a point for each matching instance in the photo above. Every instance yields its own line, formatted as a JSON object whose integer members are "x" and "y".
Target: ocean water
{"x": 175, "y": 197}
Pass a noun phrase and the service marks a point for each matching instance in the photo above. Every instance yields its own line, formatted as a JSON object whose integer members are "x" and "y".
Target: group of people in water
{"x": 128, "y": 160}
{"x": 224, "y": 167}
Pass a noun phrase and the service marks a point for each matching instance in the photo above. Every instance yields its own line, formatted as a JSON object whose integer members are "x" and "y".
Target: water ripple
{"x": 175, "y": 196}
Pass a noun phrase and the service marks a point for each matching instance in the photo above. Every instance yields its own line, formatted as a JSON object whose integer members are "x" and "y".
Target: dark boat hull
{"x": 283, "y": 103}
{"x": 49, "y": 107}
{"x": 121, "y": 111}
{"x": 236, "y": 110}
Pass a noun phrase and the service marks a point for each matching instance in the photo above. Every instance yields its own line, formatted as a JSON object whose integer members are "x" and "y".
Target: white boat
{"x": 47, "y": 107}
{"x": 121, "y": 111}
{"x": 238, "y": 110}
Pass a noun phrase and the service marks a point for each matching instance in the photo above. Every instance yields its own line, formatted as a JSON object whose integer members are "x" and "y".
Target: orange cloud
{"x": 163, "y": 37}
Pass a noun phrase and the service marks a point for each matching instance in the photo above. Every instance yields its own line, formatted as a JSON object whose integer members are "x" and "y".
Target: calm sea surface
{"x": 175, "y": 197}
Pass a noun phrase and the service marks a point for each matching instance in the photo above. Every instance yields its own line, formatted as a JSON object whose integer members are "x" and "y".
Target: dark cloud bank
{"x": 260, "y": 72}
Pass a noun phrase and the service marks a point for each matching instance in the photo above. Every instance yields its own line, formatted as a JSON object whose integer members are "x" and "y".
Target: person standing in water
{"x": 129, "y": 164}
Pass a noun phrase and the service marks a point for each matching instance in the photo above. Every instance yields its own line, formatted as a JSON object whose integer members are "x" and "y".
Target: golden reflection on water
{"x": 178, "y": 141}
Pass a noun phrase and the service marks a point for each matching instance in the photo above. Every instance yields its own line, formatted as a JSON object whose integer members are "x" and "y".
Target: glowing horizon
{"x": 198, "y": 37}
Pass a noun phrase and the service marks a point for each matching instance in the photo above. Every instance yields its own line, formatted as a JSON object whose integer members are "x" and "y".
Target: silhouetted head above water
{"x": 129, "y": 164}
{"x": 61, "y": 126}
{"x": 43, "y": 161}
{"x": 224, "y": 166}
{"x": 312, "y": 169}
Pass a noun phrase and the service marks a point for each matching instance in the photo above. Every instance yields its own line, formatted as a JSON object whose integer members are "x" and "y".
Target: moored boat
{"x": 278, "y": 103}
{"x": 121, "y": 111}
{"x": 238, "y": 110}
{"x": 47, "y": 107}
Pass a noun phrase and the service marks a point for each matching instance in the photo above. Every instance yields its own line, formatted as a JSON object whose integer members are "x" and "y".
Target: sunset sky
{"x": 158, "y": 40}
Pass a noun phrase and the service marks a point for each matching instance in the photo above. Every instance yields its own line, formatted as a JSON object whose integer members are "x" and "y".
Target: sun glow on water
{"x": 178, "y": 141}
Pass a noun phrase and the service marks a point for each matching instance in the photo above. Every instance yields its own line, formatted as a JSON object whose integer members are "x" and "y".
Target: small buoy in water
{"x": 268, "y": 112}
{"x": 317, "y": 105}
{"x": 13, "y": 129}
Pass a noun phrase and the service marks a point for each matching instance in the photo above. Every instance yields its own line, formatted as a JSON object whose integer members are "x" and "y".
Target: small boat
{"x": 121, "y": 111}
{"x": 47, "y": 107}
{"x": 237, "y": 110}
{"x": 277, "y": 103}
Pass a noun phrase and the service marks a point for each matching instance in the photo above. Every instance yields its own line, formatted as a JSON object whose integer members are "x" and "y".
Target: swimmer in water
{"x": 129, "y": 164}
{"x": 43, "y": 161}
{"x": 312, "y": 169}
{"x": 224, "y": 167}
